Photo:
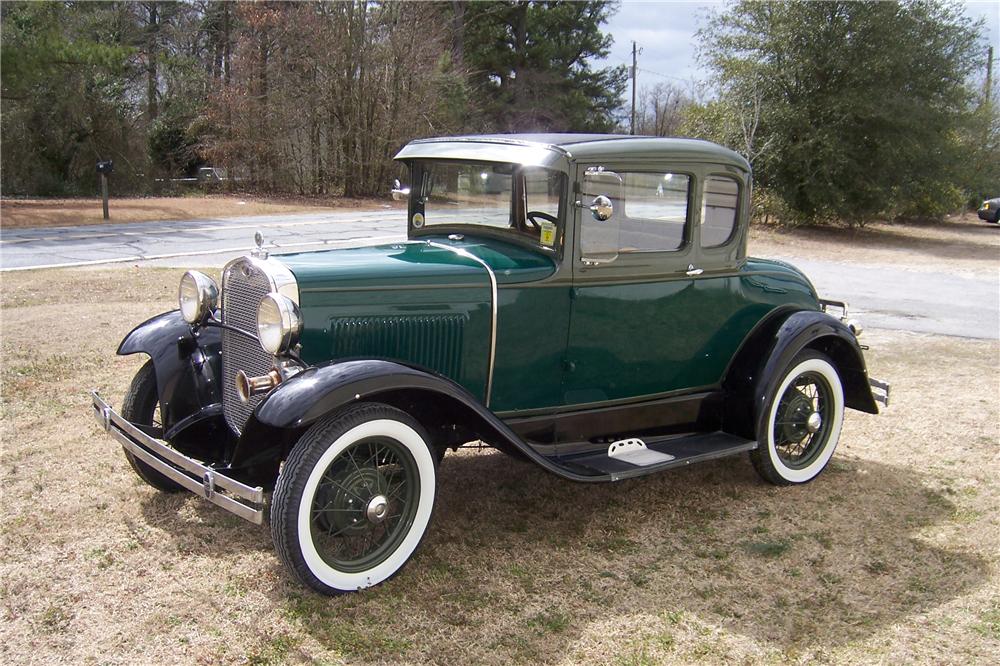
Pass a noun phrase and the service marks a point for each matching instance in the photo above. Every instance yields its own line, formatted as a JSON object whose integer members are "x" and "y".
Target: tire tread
{"x": 134, "y": 407}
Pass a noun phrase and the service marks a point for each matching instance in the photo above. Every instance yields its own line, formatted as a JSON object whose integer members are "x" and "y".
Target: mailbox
{"x": 105, "y": 167}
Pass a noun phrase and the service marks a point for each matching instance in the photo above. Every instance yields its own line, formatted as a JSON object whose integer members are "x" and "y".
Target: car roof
{"x": 587, "y": 146}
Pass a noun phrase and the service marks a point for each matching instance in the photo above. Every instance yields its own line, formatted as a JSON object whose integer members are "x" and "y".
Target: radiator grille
{"x": 431, "y": 341}
{"x": 243, "y": 286}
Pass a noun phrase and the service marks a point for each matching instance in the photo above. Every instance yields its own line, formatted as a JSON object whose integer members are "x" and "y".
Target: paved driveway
{"x": 881, "y": 296}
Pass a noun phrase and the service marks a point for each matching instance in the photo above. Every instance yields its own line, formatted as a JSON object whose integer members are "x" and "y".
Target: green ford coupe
{"x": 581, "y": 302}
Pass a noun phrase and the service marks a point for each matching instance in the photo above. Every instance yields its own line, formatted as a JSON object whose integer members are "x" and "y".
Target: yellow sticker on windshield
{"x": 548, "y": 234}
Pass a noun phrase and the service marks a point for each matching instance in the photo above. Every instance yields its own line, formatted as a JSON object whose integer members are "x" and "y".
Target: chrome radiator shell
{"x": 245, "y": 281}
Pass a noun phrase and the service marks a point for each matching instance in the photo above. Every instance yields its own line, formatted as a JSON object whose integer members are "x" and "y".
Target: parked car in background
{"x": 581, "y": 302}
{"x": 990, "y": 210}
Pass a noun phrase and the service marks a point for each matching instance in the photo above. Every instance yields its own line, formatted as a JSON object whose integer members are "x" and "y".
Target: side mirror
{"x": 601, "y": 208}
{"x": 399, "y": 193}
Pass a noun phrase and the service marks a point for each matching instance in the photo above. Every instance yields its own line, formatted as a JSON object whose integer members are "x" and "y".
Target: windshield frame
{"x": 419, "y": 182}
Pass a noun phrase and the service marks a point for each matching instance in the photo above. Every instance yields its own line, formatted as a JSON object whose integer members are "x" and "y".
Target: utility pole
{"x": 634, "y": 64}
{"x": 989, "y": 75}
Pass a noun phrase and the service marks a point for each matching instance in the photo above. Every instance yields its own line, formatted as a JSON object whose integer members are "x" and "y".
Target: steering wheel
{"x": 532, "y": 214}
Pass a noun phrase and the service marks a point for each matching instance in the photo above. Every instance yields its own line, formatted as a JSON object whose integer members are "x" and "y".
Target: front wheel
{"x": 354, "y": 499}
{"x": 141, "y": 407}
{"x": 802, "y": 422}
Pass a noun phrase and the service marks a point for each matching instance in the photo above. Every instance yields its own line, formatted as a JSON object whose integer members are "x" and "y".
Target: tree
{"x": 531, "y": 62}
{"x": 662, "y": 109}
{"x": 65, "y": 103}
{"x": 313, "y": 115}
{"x": 848, "y": 109}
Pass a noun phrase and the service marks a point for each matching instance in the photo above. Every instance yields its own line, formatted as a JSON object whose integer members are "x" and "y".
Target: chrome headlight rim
{"x": 197, "y": 297}
{"x": 279, "y": 323}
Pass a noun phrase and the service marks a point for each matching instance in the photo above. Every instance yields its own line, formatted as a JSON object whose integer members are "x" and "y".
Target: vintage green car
{"x": 582, "y": 302}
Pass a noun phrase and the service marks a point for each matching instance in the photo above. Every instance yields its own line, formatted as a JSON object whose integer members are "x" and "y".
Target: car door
{"x": 631, "y": 332}
{"x": 655, "y": 290}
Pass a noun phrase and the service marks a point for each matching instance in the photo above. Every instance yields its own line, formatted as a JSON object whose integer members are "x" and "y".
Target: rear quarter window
{"x": 719, "y": 209}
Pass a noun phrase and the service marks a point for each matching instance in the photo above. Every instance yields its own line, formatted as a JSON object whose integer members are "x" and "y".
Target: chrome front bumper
{"x": 233, "y": 496}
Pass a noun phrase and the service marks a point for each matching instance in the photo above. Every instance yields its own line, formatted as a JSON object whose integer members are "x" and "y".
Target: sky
{"x": 665, "y": 33}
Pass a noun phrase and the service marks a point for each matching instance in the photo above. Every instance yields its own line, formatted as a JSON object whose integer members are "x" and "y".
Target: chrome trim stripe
{"x": 189, "y": 473}
{"x": 494, "y": 300}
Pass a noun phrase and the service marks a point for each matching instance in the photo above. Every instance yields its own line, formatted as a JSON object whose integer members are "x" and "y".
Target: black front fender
{"x": 188, "y": 366}
{"x": 295, "y": 404}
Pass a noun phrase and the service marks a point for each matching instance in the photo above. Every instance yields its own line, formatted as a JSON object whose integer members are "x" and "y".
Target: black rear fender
{"x": 767, "y": 352}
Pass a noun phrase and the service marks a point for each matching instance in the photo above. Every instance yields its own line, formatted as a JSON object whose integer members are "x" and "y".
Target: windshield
{"x": 522, "y": 200}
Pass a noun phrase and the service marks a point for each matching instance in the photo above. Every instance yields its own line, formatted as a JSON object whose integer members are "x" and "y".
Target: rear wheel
{"x": 802, "y": 422}
{"x": 354, "y": 499}
{"x": 141, "y": 407}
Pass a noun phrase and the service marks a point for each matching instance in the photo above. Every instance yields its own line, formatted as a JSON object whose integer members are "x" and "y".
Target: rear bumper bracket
{"x": 880, "y": 390}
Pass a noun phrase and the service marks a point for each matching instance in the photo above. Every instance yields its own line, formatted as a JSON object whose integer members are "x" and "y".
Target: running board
{"x": 634, "y": 457}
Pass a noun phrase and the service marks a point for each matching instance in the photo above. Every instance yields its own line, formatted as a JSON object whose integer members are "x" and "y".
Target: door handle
{"x": 692, "y": 271}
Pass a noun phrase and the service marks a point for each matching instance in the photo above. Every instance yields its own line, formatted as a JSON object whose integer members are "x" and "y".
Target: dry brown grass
{"x": 18, "y": 213}
{"x": 961, "y": 243}
{"x": 891, "y": 556}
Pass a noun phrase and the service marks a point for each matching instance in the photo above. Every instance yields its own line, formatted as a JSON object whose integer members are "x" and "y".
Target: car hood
{"x": 430, "y": 261}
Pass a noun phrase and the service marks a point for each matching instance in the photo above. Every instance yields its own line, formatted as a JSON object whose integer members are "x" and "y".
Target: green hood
{"x": 415, "y": 263}
{"x": 409, "y": 301}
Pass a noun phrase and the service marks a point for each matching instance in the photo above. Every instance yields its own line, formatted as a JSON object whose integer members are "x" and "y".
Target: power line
{"x": 666, "y": 76}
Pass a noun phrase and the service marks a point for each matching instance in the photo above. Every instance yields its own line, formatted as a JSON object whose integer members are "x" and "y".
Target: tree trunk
{"x": 152, "y": 30}
{"x": 458, "y": 33}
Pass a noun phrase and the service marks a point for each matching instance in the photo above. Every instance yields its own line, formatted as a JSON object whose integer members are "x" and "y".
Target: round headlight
{"x": 198, "y": 295}
{"x": 278, "y": 323}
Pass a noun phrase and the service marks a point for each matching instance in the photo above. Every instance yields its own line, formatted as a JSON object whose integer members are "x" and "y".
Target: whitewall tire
{"x": 354, "y": 499}
{"x": 803, "y": 418}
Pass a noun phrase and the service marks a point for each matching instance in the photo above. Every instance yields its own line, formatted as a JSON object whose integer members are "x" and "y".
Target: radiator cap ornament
{"x": 259, "y": 251}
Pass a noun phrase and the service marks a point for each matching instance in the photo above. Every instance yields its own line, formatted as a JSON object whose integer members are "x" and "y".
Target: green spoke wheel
{"x": 354, "y": 498}
{"x": 800, "y": 425}
{"x": 365, "y": 501}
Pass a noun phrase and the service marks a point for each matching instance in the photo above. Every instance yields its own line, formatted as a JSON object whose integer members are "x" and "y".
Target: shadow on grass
{"x": 520, "y": 565}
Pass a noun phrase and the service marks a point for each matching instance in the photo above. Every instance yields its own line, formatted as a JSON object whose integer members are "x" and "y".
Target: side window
{"x": 719, "y": 210}
{"x": 655, "y": 211}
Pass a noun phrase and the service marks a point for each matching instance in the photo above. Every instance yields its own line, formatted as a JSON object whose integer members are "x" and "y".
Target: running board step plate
{"x": 636, "y": 452}
{"x": 635, "y": 457}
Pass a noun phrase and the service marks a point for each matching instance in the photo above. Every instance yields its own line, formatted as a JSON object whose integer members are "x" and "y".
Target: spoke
{"x": 399, "y": 486}
{"x": 331, "y": 533}
{"x": 374, "y": 450}
{"x": 350, "y": 454}
{"x": 347, "y": 491}
{"x": 336, "y": 510}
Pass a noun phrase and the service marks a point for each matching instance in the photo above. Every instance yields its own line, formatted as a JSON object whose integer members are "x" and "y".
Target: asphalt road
{"x": 881, "y": 296}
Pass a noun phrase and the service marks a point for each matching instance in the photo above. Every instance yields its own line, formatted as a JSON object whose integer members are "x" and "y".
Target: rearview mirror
{"x": 399, "y": 193}
{"x": 602, "y": 208}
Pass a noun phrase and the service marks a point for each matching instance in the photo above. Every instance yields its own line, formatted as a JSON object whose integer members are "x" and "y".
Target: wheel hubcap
{"x": 377, "y": 509}
{"x": 814, "y": 422}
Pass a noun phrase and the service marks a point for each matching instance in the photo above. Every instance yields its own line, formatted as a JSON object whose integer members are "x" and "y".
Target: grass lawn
{"x": 890, "y": 556}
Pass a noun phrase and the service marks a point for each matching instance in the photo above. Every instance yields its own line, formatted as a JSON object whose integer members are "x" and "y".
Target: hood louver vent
{"x": 432, "y": 341}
